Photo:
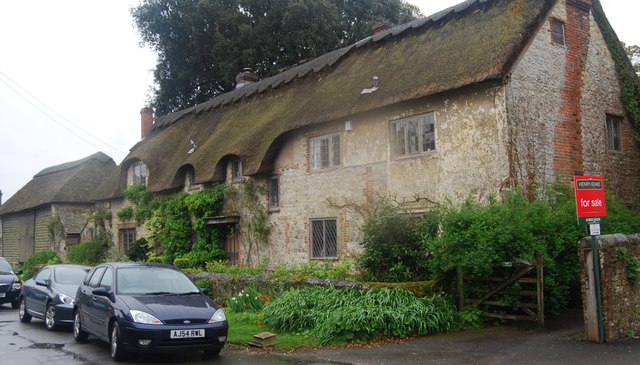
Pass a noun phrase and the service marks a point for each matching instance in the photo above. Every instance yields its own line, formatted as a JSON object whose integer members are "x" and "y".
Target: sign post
{"x": 591, "y": 209}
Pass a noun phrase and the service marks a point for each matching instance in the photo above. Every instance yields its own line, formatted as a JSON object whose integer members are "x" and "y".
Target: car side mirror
{"x": 102, "y": 292}
{"x": 42, "y": 283}
{"x": 19, "y": 272}
{"x": 204, "y": 291}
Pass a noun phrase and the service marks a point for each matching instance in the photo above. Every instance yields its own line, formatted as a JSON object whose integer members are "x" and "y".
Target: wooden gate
{"x": 515, "y": 291}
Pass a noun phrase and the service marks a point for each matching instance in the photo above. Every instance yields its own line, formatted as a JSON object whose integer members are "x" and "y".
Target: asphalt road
{"x": 561, "y": 342}
{"x": 31, "y": 344}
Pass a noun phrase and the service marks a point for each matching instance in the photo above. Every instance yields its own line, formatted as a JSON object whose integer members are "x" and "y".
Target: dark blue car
{"x": 10, "y": 284}
{"x": 49, "y": 295}
{"x": 143, "y": 307}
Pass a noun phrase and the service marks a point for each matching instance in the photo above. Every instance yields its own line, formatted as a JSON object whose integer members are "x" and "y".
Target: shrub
{"x": 139, "y": 250}
{"x": 394, "y": 247}
{"x": 88, "y": 253}
{"x": 476, "y": 238}
{"x": 35, "y": 261}
{"x": 181, "y": 262}
{"x": 339, "y": 315}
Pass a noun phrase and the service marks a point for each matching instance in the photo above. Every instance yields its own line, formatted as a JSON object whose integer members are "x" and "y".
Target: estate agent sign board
{"x": 590, "y": 202}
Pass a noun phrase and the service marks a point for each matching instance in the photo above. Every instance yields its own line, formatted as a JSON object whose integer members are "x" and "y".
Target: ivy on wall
{"x": 629, "y": 83}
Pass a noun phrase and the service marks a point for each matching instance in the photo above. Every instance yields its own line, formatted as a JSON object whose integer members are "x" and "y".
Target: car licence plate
{"x": 196, "y": 333}
{"x": 2, "y": 295}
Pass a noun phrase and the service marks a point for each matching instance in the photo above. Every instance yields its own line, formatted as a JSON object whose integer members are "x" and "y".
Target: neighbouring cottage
{"x": 53, "y": 210}
{"x": 482, "y": 98}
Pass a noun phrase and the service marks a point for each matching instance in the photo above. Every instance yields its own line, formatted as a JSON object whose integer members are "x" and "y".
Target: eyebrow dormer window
{"x": 139, "y": 173}
{"x": 236, "y": 169}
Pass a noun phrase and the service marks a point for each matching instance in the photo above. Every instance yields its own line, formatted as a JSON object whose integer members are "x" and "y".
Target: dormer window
{"x": 236, "y": 169}
{"x": 138, "y": 173}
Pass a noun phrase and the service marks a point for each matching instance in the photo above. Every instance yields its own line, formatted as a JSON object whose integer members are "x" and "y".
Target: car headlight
{"x": 66, "y": 299}
{"x": 218, "y": 316}
{"x": 142, "y": 317}
{"x": 16, "y": 286}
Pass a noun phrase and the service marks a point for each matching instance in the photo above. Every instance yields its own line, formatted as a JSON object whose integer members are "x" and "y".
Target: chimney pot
{"x": 245, "y": 77}
{"x": 146, "y": 121}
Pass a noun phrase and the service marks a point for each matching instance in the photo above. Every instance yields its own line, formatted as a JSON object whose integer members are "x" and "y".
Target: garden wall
{"x": 620, "y": 291}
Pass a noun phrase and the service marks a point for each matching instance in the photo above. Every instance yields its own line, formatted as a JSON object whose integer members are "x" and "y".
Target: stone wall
{"x": 620, "y": 298}
{"x": 558, "y": 98}
{"x": 469, "y": 160}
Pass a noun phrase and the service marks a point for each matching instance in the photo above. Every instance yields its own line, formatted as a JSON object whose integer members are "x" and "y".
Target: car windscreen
{"x": 149, "y": 280}
{"x": 69, "y": 275}
{"x": 5, "y": 268}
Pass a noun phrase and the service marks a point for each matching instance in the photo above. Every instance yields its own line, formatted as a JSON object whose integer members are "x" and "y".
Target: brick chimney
{"x": 146, "y": 121}
{"x": 246, "y": 77}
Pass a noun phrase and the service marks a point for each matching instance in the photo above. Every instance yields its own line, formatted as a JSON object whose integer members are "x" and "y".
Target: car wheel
{"x": 50, "y": 317}
{"x": 78, "y": 334}
{"x": 117, "y": 350}
{"x": 24, "y": 316}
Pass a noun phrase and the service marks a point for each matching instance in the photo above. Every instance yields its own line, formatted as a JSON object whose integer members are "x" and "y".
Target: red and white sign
{"x": 590, "y": 201}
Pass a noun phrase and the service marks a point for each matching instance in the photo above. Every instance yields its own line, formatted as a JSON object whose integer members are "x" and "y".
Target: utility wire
{"x": 113, "y": 148}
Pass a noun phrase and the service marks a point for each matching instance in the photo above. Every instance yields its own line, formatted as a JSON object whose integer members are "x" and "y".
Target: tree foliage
{"x": 633, "y": 52}
{"x": 202, "y": 44}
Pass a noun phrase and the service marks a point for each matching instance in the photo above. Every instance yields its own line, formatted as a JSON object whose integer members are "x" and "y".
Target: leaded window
{"x": 324, "y": 238}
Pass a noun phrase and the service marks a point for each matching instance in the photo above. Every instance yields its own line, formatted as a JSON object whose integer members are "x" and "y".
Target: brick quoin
{"x": 568, "y": 160}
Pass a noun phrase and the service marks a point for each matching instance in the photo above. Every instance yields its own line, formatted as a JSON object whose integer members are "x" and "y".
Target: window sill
{"x": 416, "y": 155}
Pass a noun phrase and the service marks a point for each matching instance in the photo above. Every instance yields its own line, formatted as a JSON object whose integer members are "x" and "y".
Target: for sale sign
{"x": 590, "y": 203}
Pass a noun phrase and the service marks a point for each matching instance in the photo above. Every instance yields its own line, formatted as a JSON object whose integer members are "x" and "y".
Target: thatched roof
{"x": 71, "y": 182}
{"x": 476, "y": 41}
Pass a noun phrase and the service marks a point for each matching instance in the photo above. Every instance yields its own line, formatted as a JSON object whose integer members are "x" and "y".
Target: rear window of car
{"x": 5, "y": 267}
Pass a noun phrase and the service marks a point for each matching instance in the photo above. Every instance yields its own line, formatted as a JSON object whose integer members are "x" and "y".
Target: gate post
{"x": 540, "y": 287}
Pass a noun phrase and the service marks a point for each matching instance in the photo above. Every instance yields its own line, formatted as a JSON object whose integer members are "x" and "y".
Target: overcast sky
{"x": 73, "y": 79}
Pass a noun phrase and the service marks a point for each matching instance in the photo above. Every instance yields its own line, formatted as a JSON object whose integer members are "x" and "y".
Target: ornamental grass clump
{"x": 344, "y": 315}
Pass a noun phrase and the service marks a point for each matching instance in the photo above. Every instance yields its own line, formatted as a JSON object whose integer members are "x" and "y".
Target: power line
{"x": 46, "y": 113}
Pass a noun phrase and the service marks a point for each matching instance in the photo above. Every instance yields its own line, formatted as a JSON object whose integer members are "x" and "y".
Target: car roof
{"x": 69, "y": 266}
{"x": 118, "y": 265}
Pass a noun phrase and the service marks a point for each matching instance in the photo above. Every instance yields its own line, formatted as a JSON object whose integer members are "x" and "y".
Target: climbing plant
{"x": 177, "y": 227}
{"x": 142, "y": 204}
{"x": 247, "y": 198}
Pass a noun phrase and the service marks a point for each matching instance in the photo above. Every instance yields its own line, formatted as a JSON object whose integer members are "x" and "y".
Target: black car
{"x": 144, "y": 307}
{"x": 50, "y": 294}
{"x": 10, "y": 284}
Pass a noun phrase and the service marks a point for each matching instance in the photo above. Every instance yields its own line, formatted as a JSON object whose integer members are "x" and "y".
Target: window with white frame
{"x": 274, "y": 193}
{"x": 324, "y": 238}
{"x": 139, "y": 173}
{"x": 557, "y": 32}
{"x": 236, "y": 169}
{"x": 127, "y": 238}
{"x": 614, "y": 133}
{"x": 413, "y": 136}
{"x": 324, "y": 151}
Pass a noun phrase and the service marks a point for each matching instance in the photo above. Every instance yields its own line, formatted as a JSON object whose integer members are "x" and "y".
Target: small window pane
{"x": 324, "y": 238}
{"x": 139, "y": 174}
{"x": 414, "y": 135}
{"x": 614, "y": 134}
{"x": 557, "y": 32}
{"x": 324, "y": 152}
{"x": 274, "y": 193}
